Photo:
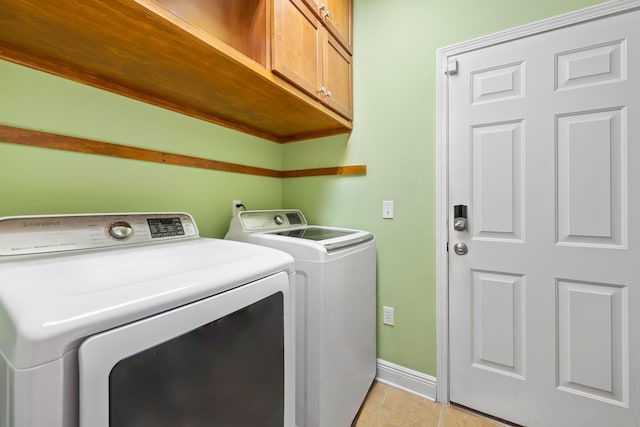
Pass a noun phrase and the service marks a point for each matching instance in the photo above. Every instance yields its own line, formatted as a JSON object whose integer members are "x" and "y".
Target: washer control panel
{"x": 26, "y": 235}
{"x": 271, "y": 220}
{"x": 278, "y": 219}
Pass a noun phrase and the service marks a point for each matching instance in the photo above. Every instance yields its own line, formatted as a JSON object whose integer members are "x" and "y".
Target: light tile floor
{"x": 387, "y": 406}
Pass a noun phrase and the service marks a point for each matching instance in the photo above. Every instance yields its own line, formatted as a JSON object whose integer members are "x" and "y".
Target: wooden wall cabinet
{"x": 209, "y": 59}
{"x": 242, "y": 25}
{"x": 337, "y": 77}
{"x": 337, "y": 16}
{"x": 307, "y": 54}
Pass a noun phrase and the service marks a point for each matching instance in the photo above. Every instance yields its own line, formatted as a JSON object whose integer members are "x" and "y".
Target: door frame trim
{"x": 613, "y": 7}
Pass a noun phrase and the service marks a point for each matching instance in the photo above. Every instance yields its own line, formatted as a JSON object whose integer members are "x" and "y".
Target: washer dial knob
{"x": 120, "y": 230}
{"x": 278, "y": 219}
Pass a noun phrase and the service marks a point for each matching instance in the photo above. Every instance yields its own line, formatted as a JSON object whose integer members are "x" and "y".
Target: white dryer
{"x": 133, "y": 319}
{"x": 335, "y": 297}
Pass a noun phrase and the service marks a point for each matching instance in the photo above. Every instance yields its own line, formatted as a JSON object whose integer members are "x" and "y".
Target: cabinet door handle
{"x": 327, "y": 14}
{"x": 322, "y": 7}
{"x": 323, "y": 90}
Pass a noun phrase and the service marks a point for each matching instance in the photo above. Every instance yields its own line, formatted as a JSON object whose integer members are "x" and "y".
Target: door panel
{"x": 591, "y": 65}
{"x": 498, "y": 83}
{"x": 591, "y": 153}
{"x": 497, "y": 180}
{"x": 543, "y": 324}
{"x": 498, "y": 333}
{"x": 590, "y": 322}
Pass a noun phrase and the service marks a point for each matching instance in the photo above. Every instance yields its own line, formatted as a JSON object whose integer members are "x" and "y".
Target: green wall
{"x": 44, "y": 181}
{"x": 394, "y": 135}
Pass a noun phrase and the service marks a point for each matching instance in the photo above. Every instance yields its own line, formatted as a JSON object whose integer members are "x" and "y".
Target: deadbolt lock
{"x": 460, "y": 217}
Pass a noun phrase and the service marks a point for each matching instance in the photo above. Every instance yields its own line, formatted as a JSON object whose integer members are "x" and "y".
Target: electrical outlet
{"x": 387, "y": 315}
{"x": 234, "y": 207}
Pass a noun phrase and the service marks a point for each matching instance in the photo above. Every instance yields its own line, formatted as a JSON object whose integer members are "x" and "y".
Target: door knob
{"x": 460, "y": 248}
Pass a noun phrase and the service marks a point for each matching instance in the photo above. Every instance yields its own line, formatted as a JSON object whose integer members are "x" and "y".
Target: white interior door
{"x": 544, "y": 149}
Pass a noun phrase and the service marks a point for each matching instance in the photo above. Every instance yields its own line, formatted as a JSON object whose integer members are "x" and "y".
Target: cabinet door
{"x": 337, "y": 77}
{"x": 296, "y": 46}
{"x": 337, "y": 15}
{"x": 314, "y": 5}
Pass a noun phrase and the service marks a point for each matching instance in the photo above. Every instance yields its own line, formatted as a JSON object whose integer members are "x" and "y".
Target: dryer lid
{"x": 49, "y": 303}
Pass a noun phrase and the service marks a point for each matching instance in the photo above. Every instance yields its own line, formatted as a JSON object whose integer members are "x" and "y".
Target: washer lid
{"x": 330, "y": 238}
{"x": 291, "y": 223}
{"x": 50, "y": 303}
{"x": 316, "y": 233}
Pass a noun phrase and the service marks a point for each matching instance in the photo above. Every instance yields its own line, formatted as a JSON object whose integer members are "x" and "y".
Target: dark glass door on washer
{"x": 228, "y": 373}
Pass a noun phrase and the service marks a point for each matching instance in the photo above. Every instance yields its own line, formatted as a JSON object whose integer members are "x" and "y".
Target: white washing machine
{"x": 335, "y": 297}
{"x": 133, "y": 319}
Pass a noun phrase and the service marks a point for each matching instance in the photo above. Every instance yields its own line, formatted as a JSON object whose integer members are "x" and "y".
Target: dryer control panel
{"x": 27, "y": 235}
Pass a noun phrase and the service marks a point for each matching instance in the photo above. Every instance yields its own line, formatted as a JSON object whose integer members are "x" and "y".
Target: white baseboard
{"x": 406, "y": 379}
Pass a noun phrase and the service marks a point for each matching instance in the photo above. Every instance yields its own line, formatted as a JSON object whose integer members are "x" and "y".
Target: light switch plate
{"x": 387, "y": 209}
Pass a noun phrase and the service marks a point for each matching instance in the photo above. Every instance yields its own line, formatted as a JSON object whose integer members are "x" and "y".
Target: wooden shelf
{"x": 140, "y": 49}
{"x": 34, "y": 138}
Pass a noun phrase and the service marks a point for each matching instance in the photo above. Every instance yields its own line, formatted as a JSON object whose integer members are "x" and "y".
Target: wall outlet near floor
{"x": 387, "y": 315}
{"x": 235, "y": 208}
